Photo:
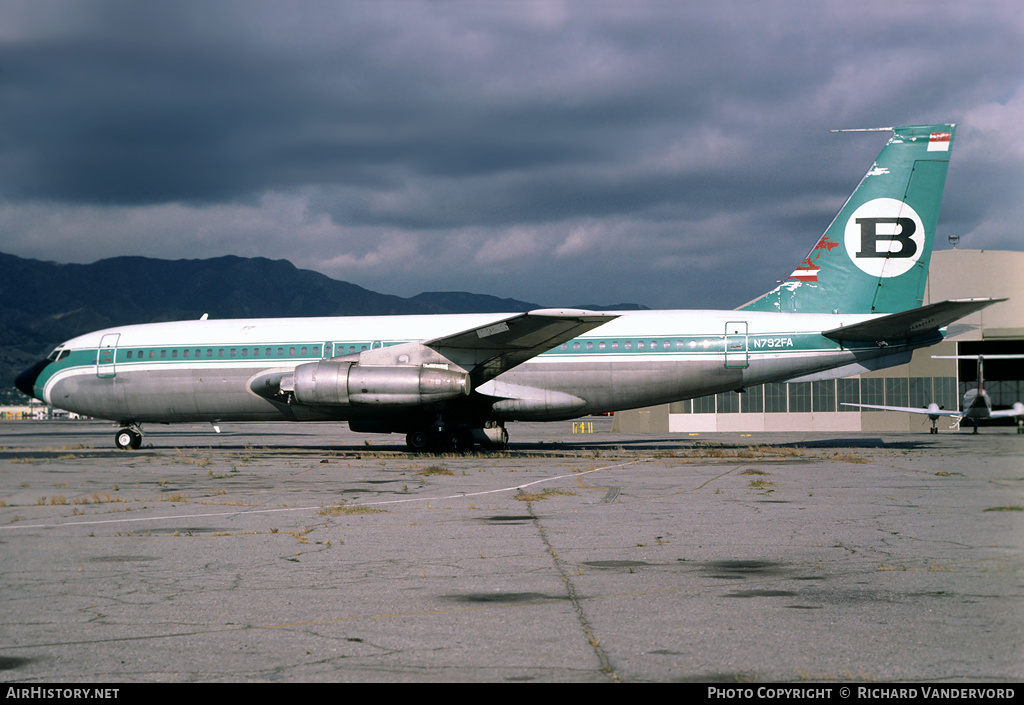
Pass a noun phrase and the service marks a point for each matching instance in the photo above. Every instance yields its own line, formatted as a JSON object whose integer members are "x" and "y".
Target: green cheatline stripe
{"x": 688, "y": 345}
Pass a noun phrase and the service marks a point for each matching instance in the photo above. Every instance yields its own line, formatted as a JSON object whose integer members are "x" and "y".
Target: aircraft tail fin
{"x": 874, "y": 256}
{"x": 981, "y": 362}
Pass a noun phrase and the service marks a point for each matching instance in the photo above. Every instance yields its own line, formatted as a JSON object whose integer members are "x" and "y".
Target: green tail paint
{"x": 874, "y": 256}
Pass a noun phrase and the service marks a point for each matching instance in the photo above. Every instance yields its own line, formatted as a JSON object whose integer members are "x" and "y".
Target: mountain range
{"x": 45, "y": 303}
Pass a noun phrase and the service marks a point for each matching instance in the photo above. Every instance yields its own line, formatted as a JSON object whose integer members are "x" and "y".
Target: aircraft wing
{"x": 487, "y": 351}
{"x": 911, "y": 323}
{"x": 910, "y": 409}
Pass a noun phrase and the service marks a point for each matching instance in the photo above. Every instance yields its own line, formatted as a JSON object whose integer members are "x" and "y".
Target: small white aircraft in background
{"x": 976, "y": 405}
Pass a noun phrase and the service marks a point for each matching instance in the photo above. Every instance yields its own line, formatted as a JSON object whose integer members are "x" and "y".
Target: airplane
{"x": 976, "y": 403}
{"x": 449, "y": 382}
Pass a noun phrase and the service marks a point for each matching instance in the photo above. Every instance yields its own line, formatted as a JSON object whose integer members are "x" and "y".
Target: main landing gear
{"x": 442, "y": 438}
{"x": 454, "y": 441}
{"x": 128, "y": 437}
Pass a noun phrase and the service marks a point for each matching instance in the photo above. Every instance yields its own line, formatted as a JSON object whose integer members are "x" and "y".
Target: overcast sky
{"x": 675, "y": 154}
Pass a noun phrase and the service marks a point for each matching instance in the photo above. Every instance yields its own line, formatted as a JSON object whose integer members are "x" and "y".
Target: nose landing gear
{"x": 128, "y": 437}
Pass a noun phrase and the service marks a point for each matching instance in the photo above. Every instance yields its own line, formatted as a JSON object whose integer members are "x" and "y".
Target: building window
{"x": 704, "y": 405}
{"x": 680, "y": 407}
{"x": 944, "y": 389}
{"x": 872, "y": 391}
{"x": 919, "y": 392}
{"x": 896, "y": 391}
{"x": 799, "y": 397}
{"x": 823, "y": 395}
{"x": 752, "y": 400}
{"x": 775, "y": 398}
{"x": 848, "y": 392}
{"x": 728, "y": 403}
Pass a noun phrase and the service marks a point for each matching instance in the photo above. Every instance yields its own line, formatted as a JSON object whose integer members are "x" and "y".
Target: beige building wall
{"x": 961, "y": 274}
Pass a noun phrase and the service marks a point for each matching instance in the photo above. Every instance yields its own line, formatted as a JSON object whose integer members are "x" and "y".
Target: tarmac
{"x": 307, "y": 553}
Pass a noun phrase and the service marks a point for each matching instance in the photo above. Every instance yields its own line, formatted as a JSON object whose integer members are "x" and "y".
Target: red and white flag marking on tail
{"x": 939, "y": 141}
{"x": 806, "y": 272}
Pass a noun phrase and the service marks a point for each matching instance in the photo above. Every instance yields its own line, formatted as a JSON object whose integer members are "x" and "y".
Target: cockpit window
{"x": 58, "y": 354}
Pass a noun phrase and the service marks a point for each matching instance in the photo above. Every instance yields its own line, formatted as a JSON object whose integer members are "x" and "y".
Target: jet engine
{"x": 335, "y": 383}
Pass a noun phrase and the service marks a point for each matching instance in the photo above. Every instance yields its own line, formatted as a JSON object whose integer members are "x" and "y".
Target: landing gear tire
{"x": 128, "y": 439}
{"x": 418, "y": 441}
{"x": 458, "y": 441}
{"x": 425, "y": 441}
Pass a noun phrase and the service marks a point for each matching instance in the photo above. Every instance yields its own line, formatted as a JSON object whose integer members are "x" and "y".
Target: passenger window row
{"x": 615, "y": 345}
{"x": 236, "y": 352}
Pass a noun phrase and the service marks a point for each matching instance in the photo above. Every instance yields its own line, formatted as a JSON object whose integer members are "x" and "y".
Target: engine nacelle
{"x": 331, "y": 383}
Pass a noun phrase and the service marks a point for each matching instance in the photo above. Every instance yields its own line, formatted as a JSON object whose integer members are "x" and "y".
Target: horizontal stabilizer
{"x": 910, "y": 324}
{"x": 1016, "y": 410}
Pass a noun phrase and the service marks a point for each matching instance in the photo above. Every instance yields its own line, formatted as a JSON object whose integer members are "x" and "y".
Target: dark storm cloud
{"x": 544, "y": 146}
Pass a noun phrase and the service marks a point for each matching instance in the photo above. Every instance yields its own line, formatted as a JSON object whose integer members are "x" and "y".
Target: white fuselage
{"x": 201, "y": 370}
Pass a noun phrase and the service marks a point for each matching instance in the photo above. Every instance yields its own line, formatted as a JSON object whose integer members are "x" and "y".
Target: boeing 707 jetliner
{"x": 449, "y": 381}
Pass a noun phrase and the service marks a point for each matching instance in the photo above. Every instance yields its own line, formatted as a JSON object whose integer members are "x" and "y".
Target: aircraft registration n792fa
{"x": 449, "y": 381}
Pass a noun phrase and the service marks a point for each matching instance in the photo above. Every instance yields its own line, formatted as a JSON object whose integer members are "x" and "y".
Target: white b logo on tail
{"x": 884, "y": 237}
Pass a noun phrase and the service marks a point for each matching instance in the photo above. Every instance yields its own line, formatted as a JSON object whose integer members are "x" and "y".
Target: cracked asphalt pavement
{"x": 308, "y": 553}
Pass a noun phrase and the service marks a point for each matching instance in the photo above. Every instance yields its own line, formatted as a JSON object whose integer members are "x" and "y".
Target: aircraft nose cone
{"x": 26, "y": 381}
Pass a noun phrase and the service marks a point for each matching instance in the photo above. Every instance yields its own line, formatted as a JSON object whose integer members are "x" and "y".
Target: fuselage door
{"x": 106, "y": 354}
{"x": 736, "y": 344}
